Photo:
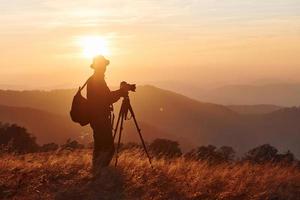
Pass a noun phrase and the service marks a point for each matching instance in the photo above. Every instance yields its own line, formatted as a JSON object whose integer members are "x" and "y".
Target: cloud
{"x": 93, "y": 13}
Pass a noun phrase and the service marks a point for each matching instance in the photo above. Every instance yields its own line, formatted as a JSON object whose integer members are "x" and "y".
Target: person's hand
{"x": 124, "y": 92}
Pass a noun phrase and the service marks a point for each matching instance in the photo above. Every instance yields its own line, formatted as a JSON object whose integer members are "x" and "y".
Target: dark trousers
{"x": 103, "y": 142}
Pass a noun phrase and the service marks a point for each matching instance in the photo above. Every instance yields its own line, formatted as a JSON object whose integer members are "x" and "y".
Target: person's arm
{"x": 117, "y": 94}
{"x": 114, "y": 96}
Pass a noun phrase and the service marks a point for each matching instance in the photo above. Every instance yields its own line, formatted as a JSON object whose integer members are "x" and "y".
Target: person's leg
{"x": 97, "y": 145}
{"x": 103, "y": 143}
{"x": 110, "y": 147}
{"x": 107, "y": 156}
{"x": 104, "y": 158}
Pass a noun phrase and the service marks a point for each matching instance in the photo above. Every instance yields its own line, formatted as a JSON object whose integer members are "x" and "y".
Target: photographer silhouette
{"x": 100, "y": 100}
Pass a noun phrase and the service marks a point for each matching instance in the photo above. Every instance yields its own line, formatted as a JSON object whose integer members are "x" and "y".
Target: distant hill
{"x": 282, "y": 94}
{"x": 165, "y": 114}
{"x": 154, "y": 107}
{"x": 275, "y": 94}
{"x": 47, "y": 127}
{"x": 55, "y": 101}
{"x": 254, "y": 109}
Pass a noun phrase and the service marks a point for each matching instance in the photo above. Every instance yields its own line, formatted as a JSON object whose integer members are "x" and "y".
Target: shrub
{"x": 14, "y": 138}
{"x": 287, "y": 157}
{"x": 226, "y": 153}
{"x": 261, "y": 154}
{"x": 211, "y": 154}
{"x": 165, "y": 148}
{"x": 72, "y": 144}
{"x": 49, "y": 147}
{"x": 267, "y": 153}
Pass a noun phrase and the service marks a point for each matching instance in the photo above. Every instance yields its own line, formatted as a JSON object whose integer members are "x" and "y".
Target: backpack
{"x": 79, "y": 110}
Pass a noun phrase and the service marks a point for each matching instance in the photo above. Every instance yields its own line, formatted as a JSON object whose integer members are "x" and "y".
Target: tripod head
{"x": 125, "y": 106}
{"x": 127, "y": 87}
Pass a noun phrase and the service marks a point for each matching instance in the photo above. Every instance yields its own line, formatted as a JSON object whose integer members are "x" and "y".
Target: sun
{"x": 93, "y": 45}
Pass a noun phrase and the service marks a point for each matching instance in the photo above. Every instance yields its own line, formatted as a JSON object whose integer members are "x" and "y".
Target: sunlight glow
{"x": 93, "y": 45}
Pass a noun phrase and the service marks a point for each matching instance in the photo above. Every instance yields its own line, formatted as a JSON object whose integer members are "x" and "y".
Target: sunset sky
{"x": 49, "y": 44}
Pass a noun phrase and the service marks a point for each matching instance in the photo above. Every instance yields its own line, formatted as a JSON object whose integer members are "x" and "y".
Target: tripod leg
{"x": 117, "y": 125}
{"x": 119, "y": 139}
{"x": 140, "y": 134}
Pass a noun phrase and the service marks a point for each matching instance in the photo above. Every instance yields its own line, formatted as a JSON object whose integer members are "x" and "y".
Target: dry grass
{"x": 66, "y": 175}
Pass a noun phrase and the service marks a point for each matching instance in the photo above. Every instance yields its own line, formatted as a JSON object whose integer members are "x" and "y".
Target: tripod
{"x": 125, "y": 107}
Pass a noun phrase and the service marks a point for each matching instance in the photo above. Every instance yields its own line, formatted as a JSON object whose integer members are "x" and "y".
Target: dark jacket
{"x": 100, "y": 97}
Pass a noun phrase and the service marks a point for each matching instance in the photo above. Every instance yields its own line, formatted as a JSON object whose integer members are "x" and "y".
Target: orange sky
{"x": 199, "y": 42}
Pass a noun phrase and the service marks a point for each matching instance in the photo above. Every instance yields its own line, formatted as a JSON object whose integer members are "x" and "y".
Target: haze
{"x": 198, "y": 42}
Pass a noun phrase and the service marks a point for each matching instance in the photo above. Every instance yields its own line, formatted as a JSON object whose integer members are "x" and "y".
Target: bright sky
{"x": 48, "y": 43}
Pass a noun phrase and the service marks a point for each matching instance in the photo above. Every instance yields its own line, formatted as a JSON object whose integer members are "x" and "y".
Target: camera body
{"x": 127, "y": 87}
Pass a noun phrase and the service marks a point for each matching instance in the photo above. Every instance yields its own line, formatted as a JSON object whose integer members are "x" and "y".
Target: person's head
{"x": 99, "y": 64}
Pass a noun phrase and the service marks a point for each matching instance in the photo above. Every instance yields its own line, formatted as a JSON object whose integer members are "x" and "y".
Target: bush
{"x": 211, "y": 154}
{"x": 287, "y": 158}
{"x": 226, "y": 153}
{"x": 49, "y": 147}
{"x": 261, "y": 154}
{"x": 72, "y": 144}
{"x": 165, "y": 148}
{"x": 14, "y": 138}
{"x": 267, "y": 153}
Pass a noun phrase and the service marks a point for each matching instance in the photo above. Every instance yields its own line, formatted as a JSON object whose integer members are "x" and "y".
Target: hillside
{"x": 153, "y": 106}
{"x": 165, "y": 114}
{"x": 254, "y": 109}
{"x": 47, "y": 127}
{"x": 67, "y": 176}
{"x": 276, "y": 94}
{"x": 55, "y": 101}
{"x": 269, "y": 93}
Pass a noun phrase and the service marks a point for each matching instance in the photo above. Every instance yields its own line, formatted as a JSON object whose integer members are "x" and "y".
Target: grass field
{"x": 67, "y": 175}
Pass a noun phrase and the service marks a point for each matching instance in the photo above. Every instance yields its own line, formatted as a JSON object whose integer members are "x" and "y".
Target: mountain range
{"x": 255, "y": 109}
{"x": 161, "y": 113}
{"x": 280, "y": 94}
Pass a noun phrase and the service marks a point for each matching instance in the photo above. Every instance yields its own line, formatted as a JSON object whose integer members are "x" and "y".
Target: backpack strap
{"x": 81, "y": 88}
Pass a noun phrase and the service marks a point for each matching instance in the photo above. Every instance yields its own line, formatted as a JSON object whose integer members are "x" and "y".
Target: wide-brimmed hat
{"x": 99, "y": 59}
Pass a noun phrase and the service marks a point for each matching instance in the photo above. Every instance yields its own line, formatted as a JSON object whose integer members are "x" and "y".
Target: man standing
{"x": 100, "y": 100}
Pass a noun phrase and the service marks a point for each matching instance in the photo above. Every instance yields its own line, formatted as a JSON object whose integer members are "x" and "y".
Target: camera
{"x": 128, "y": 87}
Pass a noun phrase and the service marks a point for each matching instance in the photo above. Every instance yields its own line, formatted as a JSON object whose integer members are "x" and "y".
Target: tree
{"x": 261, "y": 154}
{"x": 227, "y": 153}
{"x": 16, "y": 139}
{"x": 267, "y": 153}
{"x": 207, "y": 153}
{"x": 165, "y": 148}
{"x": 211, "y": 154}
